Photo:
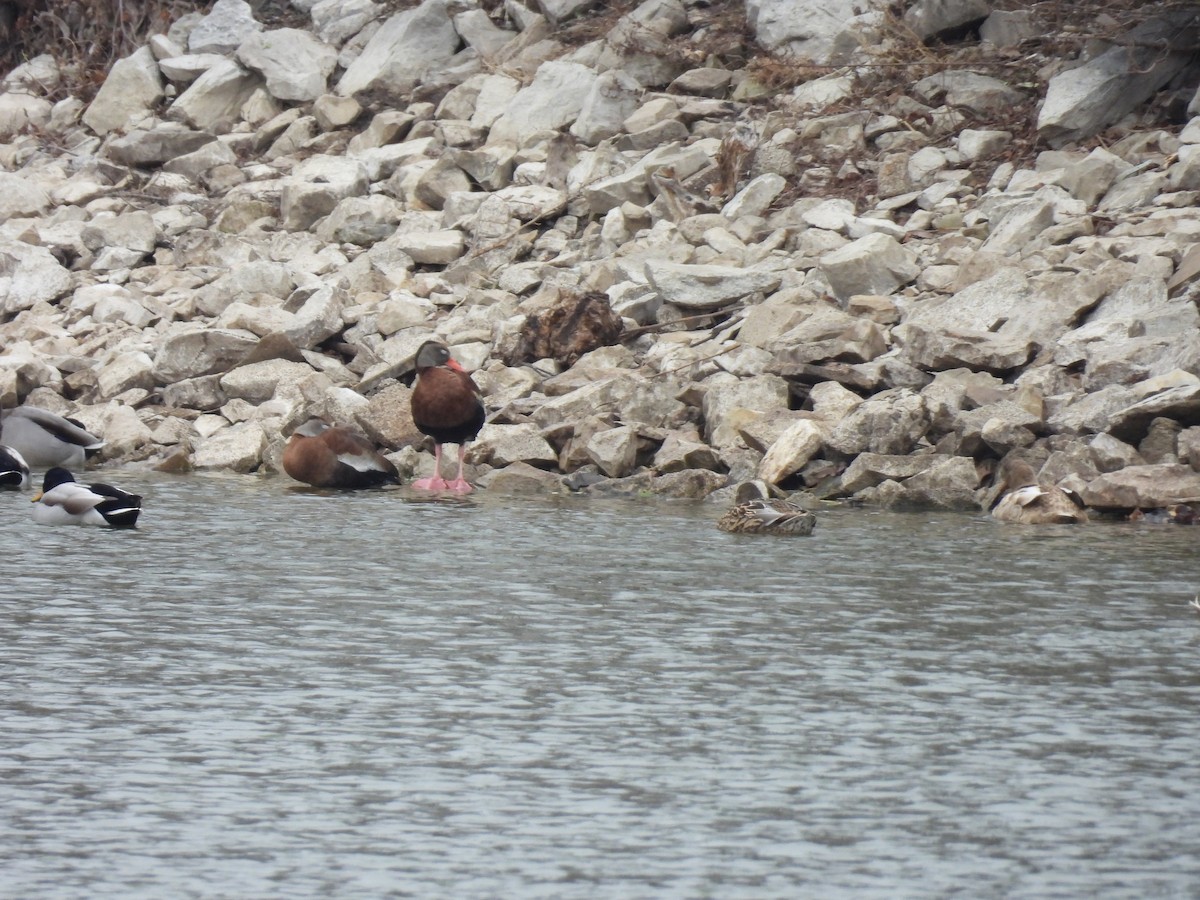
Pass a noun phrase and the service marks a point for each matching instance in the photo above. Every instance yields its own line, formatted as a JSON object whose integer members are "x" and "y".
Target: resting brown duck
{"x": 446, "y": 405}
{"x": 754, "y": 514}
{"x": 329, "y": 456}
{"x": 1026, "y": 502}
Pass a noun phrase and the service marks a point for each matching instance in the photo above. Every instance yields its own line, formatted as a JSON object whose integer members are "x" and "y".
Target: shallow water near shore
{"x": 265, "y": 691}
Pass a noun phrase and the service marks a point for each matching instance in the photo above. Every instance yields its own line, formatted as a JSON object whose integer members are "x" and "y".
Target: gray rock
{"x": 813, "y": 30}
{"x": 503, "y": 445}
{"x": 404, "y": 48}
{"x": 336, "y": 21}
{"x": 316, "y": 186}
{"x": 1143, "y": 487}
{"x": 520, "y": 480}
{"x": 29, "y": 275}
{"x": 891, "y": 422}
{"x": 726, "y": 404}
{"x": 227, "y": 24}
{"x": 258, "y": 382}
{"x": 610, "y": 100}
{"x": 132, "y": 89}
{"x": 295, "y": 65}
{"x": 164, "y": 141}
{"x": 791, "y": 451}
{"x": 552, "y": 101}
{"x": 236, "y": 449}
{"x": 615, "y": 450}
{"x": 706, "y": 287}
{"x": 928, "y": 18}
{"x": 875, "y": 264}
{"x": 1081, "y": 101}
{"x": 949, "y": 483}
{"x": 214, "y": 100}
{"x": 190, "y": 351}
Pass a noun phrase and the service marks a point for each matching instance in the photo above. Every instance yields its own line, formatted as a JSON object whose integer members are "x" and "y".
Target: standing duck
{"x": 63, "y": 501}
{"x": 1028, "y": 503}
{"x": 45, "y": 439}
{"x": 755, "y": 514}
{"x": 446, "y": 406}
{"x": 14, "y": 471}
{"x": 327, "y": 456}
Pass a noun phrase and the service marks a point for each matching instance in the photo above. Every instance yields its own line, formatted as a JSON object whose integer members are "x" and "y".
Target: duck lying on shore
{"x": 334, "y": 456}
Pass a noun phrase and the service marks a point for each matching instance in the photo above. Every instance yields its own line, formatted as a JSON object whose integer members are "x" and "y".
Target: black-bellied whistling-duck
{"x": 63, "y": 501}
{"x": 328, "y": 456}
{"x": 755, "y": 514}
{"x": 446, "y": 406}
{"x": 1029, "y": 503}
{"x": 45, "y": 439}
{"x": 14, "y": 471}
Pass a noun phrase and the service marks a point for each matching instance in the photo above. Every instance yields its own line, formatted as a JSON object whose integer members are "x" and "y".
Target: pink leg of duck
{"x": 436, "y": 483}
{"x": 460, "y": 485}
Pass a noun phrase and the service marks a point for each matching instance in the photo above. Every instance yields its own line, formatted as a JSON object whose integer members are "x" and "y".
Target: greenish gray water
{"x": 270, "y": 692}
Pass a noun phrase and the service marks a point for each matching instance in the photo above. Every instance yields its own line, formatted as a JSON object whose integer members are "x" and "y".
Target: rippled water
{"x": 269, "y": 692}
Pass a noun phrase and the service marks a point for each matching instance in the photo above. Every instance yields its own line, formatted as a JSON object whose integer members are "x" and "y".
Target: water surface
{"x": 273, "y": 692}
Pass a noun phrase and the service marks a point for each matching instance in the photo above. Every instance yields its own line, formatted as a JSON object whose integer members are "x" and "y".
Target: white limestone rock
{"x": 132, "y": 89}
{"x": 295, "y": 65}
{"x": 404, "y": 48}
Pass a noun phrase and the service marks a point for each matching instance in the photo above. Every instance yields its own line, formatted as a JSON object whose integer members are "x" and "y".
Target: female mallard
{"x": 63, "y": 501}
{"x": 446, "y": 406}
{"x": 14, "y": 471}
{"x": 1029, "y": 503}
{"x": 754, "y": 514}
{"x": 329, "y": 456}
{"x": 45, "y": 439}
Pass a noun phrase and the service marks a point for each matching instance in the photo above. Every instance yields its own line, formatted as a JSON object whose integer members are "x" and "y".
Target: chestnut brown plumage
{"x": 446, "y": 406}
{"x": 335, "y": 457}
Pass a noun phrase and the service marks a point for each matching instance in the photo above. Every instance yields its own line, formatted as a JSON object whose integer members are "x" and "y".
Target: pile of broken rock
{"x": 248, "y": 226}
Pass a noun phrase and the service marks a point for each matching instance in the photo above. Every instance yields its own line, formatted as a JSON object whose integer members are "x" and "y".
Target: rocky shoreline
{"x": 667, "y": 276}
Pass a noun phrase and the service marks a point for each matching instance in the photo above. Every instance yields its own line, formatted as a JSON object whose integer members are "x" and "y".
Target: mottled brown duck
{"x": 1026, "y": 502}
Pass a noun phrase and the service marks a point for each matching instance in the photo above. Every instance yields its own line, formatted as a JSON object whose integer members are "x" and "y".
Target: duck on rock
{"x": 63, "y": 501}
{"x": 1025, "y": 502}
{"x": 755, "y": 514}
{"x": 446, "y": 405}
{"x": 333, "y": 456}
{"x": 45, "y": 439}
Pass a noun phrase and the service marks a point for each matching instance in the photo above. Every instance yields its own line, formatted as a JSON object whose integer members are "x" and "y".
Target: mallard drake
{"x": 63, "y": 501}
{"x": 45, "y": 439}
{"x": 1026, "y": 502}
{"x": 754, "y": 514}
{"x": 329, "y": 456}
{"x": 446, "y": 405}
{"x": 14, "y": 471}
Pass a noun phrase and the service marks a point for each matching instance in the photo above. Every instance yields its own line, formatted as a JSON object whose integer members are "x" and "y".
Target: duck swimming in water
{"x": 64, "y": 501}
{"x": 45, "y": 439}
{"x": 755, "y": 514}
{"x": 1028, "y": 503}
{"x": 329, "y": 456}
{"x": 14, "y": 471}
{"x": 446, "y": 405}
